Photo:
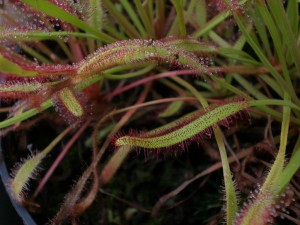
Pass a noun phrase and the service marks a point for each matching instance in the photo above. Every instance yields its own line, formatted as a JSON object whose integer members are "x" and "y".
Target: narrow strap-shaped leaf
{"x": 288, "y": 173}
{"x": 160, "y": 12}
{"x": 262, "y": 105}
{"x": 261, "y": 30}
{"x": 265, "y": 61}
{"x": 277, "y": 43}
{"x": 292, "y": 13}
{"x": 10, "y": 68}
{"x": 278, "y": 165}
{"x": 181, "y": 22}
{"x": 211, "y": 24}
{"x": 52, "y": 10}
{"x": 249, "y": 87}
{"x": 218, "y": 40}
{"x": 272, "y": 83}
{"x": 173, "y": 108}
{"x": 129, "y": 29}
{"x": 146, "y": 21}
{"x": 134, "y": 17}
{"x": 239, "y": 44}
{"x": 190, "y": 9}
{"x": 281, "y": 18}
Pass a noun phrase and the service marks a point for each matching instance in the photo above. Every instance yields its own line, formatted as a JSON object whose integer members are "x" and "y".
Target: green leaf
{"x": 96, "y": 18}
{"x": 210, "y": 24}
{"x": 9, "y": 67}
{"x": 288, "y": 172}
{"x": 265, "y": 61}
{"x": 145, "y": 19}
{"x": 30, "y": 167}
{"x": 121, "y": 19}
{"x": 179, "y": 10}
{"x": 171, "y": 109}
{"x": 281, "y": 18}
{"x": 133, "y": 16}
{"x": 54, "y": 11}
{"x": 25, "y": 115}
{"x": 261, "y": 30}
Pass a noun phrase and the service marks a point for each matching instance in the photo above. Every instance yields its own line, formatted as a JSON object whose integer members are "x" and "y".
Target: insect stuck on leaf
{"x": 150, "y": 41}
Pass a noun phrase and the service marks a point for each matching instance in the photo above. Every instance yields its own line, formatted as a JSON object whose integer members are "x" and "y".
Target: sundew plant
{"x": 182, "y": 82}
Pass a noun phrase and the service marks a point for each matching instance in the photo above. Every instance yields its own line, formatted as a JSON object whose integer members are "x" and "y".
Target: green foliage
{"x": 110, "y": 47}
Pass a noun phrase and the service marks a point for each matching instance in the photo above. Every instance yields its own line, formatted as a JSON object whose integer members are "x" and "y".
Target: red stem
{"x": 162, "y": 75}
{"x": 148, "y": 79}
{"x": 60, "y": 157}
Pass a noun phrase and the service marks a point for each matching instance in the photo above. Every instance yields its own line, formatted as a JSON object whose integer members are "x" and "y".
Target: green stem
{"x": 288, "y": 172}
{"x": 277, "y": 167}
{"x": 134, "y": 17}
{"x": 190, "y": 10}
{"x": 261, "y": 30}
{"x": 51, "y": 9}
{"x": 266, "y": 62}
{"x": 35, "y": 54}
{"x": 146, "y": 21}
{"x": 129, "y": 75}
{"x": 262, "y": 106}
{"x": 277, "y": 43}
{"x": 231, "y": 201}
{"x": 121, "y": 19}
{"x": 160, "y": 12}
{"x": 211, "y": 24}
{"x": 279, "y": 13}
{"x": 52, "y": 35}
{"x": 273, "y": 102}
{"x": 181, "y": 22}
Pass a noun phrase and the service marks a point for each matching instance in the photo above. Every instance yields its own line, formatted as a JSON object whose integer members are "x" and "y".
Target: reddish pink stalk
{"x": 162, "y": 75}
{"x": 60, "y": 157}
{"x": 112, "y": 166}
{"x": 75, "y": 48}
{"x": 148, "y": 79}
{"x": 237, "y": 69}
